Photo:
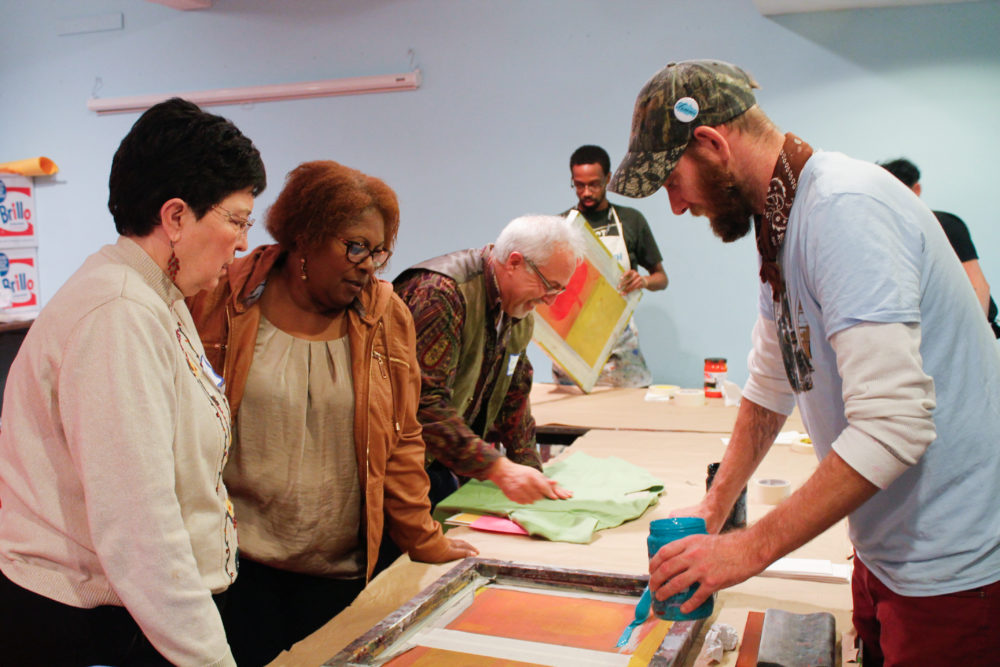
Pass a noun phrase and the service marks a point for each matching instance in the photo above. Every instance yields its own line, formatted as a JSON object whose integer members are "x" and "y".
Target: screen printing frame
{"x": 581, "y": 327}
{"x": 373, "y": 647}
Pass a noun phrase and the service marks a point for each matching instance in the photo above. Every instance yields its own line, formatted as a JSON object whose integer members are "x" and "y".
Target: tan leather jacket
{"x": 387, "y": 435}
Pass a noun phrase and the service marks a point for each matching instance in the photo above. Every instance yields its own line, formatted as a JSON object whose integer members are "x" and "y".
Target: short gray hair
{"x": 537, "y": 237}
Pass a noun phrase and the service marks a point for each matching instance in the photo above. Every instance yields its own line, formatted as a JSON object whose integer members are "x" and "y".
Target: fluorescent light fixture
{"x": 185, "y": 5}
{"x": 773, "y": 7}
{"x": 383, "y": 83}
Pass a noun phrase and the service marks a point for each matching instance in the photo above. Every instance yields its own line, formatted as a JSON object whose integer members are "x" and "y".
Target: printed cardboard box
{"x": 17, "y": 211}
{"x": 18, "y": 283}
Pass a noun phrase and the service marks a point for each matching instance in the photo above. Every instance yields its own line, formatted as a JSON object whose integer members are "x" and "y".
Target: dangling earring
{"x": 173, "y": 264}
{"x": 302, "y": 271}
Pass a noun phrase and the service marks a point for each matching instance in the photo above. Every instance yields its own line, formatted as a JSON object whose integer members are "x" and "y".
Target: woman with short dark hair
{"x": 116, "y": 529}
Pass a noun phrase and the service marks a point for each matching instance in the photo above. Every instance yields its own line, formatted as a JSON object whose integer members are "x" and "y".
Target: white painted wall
{"x": 511, "y": 87}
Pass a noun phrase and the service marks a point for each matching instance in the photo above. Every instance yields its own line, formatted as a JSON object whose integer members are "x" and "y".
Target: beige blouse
{"x": 293, "y": 472}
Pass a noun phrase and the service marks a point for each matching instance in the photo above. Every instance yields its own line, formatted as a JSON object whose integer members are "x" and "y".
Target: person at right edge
{"x": 958, "y": 236}
{"x": 867, "y": 323}
{"x": 626, "y": 234}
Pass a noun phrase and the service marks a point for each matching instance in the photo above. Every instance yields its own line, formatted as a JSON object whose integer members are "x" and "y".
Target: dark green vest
{"x": 465, "y": 267}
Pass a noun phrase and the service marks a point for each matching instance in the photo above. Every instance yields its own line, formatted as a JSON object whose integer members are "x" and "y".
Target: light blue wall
{"x": 511, "y": 87}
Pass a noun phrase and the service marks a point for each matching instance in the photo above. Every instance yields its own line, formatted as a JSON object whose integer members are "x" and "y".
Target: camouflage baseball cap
{"x": 678, "y": 98}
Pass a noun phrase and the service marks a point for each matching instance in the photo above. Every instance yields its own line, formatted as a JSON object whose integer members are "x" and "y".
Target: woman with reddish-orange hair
{"x": 320, "y": 366}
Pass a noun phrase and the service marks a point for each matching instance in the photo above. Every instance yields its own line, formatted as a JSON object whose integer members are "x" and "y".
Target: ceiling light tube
{"x": 383, "y": 83}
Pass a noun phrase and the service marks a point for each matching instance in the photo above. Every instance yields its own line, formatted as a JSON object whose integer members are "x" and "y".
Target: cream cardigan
{"x": 114, "y": 439}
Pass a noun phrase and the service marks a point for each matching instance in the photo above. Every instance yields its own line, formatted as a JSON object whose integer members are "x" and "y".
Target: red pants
{"x": 959, "y": 629}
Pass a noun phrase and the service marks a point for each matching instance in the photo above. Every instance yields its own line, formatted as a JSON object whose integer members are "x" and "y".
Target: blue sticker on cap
{"x": 686, "y": 109}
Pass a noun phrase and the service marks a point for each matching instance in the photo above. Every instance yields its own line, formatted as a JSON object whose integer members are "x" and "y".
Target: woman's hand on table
{"x": 713, "y": 562}
{"x": 458, "y": 549}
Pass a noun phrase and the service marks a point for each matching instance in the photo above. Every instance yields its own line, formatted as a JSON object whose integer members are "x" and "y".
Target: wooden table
{"x": 679, "y": 458}
{"x": 627, "y": 409}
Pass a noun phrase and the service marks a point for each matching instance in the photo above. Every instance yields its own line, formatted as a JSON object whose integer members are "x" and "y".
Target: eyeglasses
{"x": 244, "y": 224}
{"x": 593, "y": 186}
{"x": 358, "y": 252}
{"x": 550, "y": 289}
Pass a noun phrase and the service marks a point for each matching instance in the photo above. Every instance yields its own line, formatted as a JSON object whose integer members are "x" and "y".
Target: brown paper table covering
{"x": 627, "y": 409}
{"x": 680, "y": 460}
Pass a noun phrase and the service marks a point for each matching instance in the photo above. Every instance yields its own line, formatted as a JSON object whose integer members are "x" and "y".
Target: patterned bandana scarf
{"x": 771, "y": 228}
{"x": 772, "y": 224}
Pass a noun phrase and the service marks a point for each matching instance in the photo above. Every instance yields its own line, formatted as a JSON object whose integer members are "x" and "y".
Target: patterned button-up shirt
{"x": 439, "y": 316}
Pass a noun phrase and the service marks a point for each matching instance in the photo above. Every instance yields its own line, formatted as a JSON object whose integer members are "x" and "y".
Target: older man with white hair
{"x": 472, "y": 311}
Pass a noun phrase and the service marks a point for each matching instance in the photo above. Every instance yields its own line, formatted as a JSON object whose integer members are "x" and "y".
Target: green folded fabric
{"x": 607, "y": 492}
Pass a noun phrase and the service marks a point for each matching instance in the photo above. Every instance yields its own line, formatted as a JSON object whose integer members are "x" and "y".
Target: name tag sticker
{"x": 212, "y": 375}
{"x": 512, "y": 363}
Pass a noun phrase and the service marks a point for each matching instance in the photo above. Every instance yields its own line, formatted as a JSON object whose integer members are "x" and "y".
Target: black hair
{"x": 177, "y": 150}
{"x": 591, "y": 155}
{"x": 902, "y": 169}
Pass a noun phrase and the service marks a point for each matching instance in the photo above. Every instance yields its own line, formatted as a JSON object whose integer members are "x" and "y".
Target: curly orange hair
{"x": 323, "y": 197}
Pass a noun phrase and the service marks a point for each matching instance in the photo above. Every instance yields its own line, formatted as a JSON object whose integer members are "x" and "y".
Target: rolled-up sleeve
{"x": 888, "y": 399}
{"x": 767, "y": 384}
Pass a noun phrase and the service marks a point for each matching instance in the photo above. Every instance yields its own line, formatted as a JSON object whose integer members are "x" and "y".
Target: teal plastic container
{"x": 662, "y": 531}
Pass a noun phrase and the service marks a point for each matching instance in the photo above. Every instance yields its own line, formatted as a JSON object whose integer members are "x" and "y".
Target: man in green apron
{"x": 626, "y": 234}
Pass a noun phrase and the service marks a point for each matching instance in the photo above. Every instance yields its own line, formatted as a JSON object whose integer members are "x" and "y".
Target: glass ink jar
{"x": 662, "y": 531}
{"x": 738, "y": 516}
{"x": 715, "y": 375}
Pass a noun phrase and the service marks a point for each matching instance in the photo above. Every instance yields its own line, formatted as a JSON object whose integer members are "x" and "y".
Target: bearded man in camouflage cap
{"x": 864, "y": 323}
